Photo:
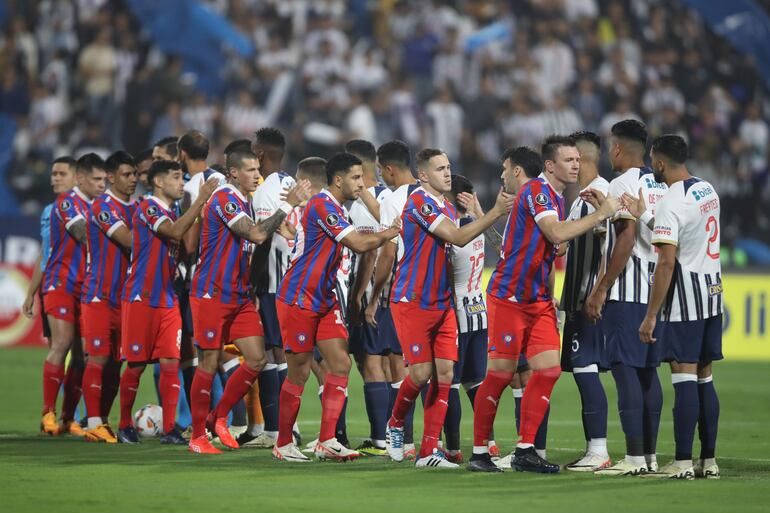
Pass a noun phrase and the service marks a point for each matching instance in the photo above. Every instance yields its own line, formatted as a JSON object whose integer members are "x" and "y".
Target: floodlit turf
{"x": 63, "y": 474}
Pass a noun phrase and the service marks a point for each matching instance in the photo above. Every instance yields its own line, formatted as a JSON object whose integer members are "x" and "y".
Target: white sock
{"x": 380, "y": 444}
{"x": 491, "y": 443}
{"x": 524, "y": 446}
{"x": 541, "y": 453}
{"x": 480, "y": 449}
{"x": 94, "y": 422}
{"x": 272, "y": 434}
{"x": 255, "y": 429}
{"x": 637, "y": 461}
{"x": 230, "y": 364}
{"x": 598, "y": 446}
{"x": 295, "y": 427}
{"x": 282, "y": 366}
{"x": 708, "y": 462}
{"x": 650, "y": 458}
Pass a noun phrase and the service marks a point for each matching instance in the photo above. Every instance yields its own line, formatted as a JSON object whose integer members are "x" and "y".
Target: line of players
{"x": 434, "y": 262}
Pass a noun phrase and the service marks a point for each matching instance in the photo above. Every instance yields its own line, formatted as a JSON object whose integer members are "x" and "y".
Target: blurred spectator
{"x": 445, "y": 123}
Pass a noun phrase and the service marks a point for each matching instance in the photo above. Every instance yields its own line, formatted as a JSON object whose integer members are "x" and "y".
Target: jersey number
{"x": 712, "y": 227}
{"x": 477, "y": 262}
{"x": 338, "y": 317}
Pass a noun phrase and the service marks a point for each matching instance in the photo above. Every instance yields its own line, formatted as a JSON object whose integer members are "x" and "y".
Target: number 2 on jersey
{"x": 712, "y": 227}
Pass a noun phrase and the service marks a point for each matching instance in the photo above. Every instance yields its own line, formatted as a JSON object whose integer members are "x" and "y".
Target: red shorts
{"x": 216, "y": 324}
{"x": 150, "y": 333}
{"x": 101, "y": 329}
{"x": 301, "y": 329}
{"x": 62, "y": 305}
{"x": 425, "y": 334}
{"x": 516, "y": 327}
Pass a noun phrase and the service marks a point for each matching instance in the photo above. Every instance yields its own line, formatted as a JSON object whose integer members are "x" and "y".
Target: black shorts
{"x": 582, "y": 343}
{"x": 387, "y": 339}
{"x": 620, "y": 324}
{"x": 692, "y": 341}
{"x": 269, "y": 315}
{"x": 471, "y": 364}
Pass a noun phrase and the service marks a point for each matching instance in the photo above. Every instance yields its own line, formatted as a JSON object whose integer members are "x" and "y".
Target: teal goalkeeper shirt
{"x": 45, "y": 234}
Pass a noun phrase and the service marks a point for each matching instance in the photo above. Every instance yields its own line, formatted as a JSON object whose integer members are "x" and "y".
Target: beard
{"x": 659, "y": 177}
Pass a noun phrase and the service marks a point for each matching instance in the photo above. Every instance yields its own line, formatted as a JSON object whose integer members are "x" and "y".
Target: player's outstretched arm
{"x": 363, "y": 242}
{"x": 176, "y": 230}
{"x": 637, "y": 208}
{"x": 664, "y": 270}
{"x": 470, "y": 202}
{"x": 382, "y": 271}
{"x": 559, "y": 232}
{"x": 449, "y": 232}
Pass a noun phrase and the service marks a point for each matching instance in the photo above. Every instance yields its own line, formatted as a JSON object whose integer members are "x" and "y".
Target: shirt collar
{"x": 545, "y": 179}
{"x": 77, "y": 191}
{"x": 440, "y": 202}
{"x": 231, "y": 187}
{"x": 331, "y": 196}
{"x": 112, "y": 195}
{"x": 159, "y": 202}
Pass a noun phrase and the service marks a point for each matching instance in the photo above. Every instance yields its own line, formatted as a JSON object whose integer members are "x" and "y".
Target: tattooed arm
{"x": 258, "y": 233}
{"x": 78, "y": 231}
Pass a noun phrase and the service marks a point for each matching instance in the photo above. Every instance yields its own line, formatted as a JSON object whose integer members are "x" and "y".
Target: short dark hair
{"x": 237, "y": 145}
{"x": 585, "y": 135}
{"x": 460, "y": 184}
{"x": 314, "y": 168}
{"x": 269, "y": 136}
{"x": 194, "y": 144}
{"x": 160, "y": 168}
{"x": 65, "y": 159}
{"x": 671, "y": 146}
{"x": 362, "y": 149}
{"x": 88, "y": 162}
{"x": 424, "y": 155}
{"x": 630, "y": 129}
{"x": 219, "y": 168}
{"x": 236, "y": 158}
{"x": 144, "y": 155}
{"x": 394, "y": 153}
{"x": 168, "y": 144}
{"x": 526, "y": 158}
{"x": 340, "y": 163}
{"x": 117, "y": 159}
{"x": 551, "y": 145}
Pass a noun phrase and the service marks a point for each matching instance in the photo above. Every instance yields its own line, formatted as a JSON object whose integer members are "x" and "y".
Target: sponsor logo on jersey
{"x": 332, "y": 219}
{"x": 426, "y": 209}
{"x": 541, "y": 199}
{"x": 104, "y": 216}
{"x": 663, "y": 230}
{"x": 715, "y": 289}
{"x": 475, "y": 308}
{"x": 230, "y": 207}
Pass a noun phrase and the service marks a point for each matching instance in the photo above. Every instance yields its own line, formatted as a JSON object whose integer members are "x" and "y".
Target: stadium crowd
{"x": 82, "y": 75}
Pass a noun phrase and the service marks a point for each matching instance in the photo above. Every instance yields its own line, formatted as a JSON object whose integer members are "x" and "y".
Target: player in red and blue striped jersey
{"x": 109, "y": 222}
{"x": 150, "y": 319}
{"x": 62, "y": 285}
{"x": 308, "y": 311}
{"x": 522, "y": 316}
{"x": 423, "y": 304}
{"x": 221, "y": 295}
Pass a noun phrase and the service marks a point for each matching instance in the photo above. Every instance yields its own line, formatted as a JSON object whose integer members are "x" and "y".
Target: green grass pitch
{"x": 64, "y": 474}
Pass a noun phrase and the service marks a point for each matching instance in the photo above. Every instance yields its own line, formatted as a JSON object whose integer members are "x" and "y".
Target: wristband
{"x": 286, "y": 207}
{"x": 646, "y": 217}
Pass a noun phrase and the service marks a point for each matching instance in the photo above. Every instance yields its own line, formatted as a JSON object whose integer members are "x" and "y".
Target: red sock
{"x": 169, "y": 393}
{"x": 332, "y": 401}
{"x": 110, "y": 386}
{"x": 485, "y": 407}
{"x": 53, "y": 375}
{"x": 201, "y": 401}
{"x": 73, "y": 382}
{"x": 92, "y": 388}
{"x": 129, "y": 384}
{"x": 238, "y": 384}
{"x": 291, "y": 398}
{"x": 534, "y": 403}
{"x": 436, "y": 403}
{"x": 407, "y": 394}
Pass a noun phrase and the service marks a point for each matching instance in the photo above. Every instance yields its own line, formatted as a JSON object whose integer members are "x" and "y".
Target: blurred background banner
{"x": 19, "y": 247}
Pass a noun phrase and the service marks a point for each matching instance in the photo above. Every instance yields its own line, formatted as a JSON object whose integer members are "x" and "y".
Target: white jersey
{"x": 633, "y": 283}
{"x": 266, "y": 200}
{"x": 193, "y": 185}
{"x": 391, "y": 208}
{"x": 583, "y": 253}
{"x": 467, "y": 270}
{"x": 688, "y": 217}
{"x": 364, "y": 222}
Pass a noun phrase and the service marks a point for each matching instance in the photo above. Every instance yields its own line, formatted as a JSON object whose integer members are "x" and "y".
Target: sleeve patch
{"x": 541, "y": 199}
{"x": 332, "y": 220}
{"x": 230, "y": 207}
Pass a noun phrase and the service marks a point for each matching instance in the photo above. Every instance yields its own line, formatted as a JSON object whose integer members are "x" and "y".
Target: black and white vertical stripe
{"x": 633, "y": 282}
{"x": 584, "y": 258}
{"x": 693, "y": 296}
{"x": 471, "y": 314}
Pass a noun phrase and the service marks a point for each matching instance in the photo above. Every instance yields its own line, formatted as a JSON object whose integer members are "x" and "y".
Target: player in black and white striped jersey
{"x": 687, "y": 291}
{"x": 583, "y": 344}
{"x": 625, "y": 285}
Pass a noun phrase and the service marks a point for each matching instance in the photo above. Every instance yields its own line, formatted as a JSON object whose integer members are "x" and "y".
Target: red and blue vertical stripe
{"x": 66, "y": 264}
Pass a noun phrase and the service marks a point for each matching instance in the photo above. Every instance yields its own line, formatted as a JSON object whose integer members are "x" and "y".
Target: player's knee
{"x": 445, "y": 375}
{"x": 551, "y": 373}
{"x": 257, "y": 362}
{"x": 208, "y": 363}
{"x": 420, "y": 374}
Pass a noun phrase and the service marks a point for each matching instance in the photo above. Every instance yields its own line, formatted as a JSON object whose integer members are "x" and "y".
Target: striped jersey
{"x": 633, "y": 283}
{"x": 310, "y": 280}
{"x": 266, "y": 200}
{"x": 66, "y": 264}
{"x": 222, "y": 270}
{"x": 364, "y": 222}
{"x": 391, "y": 208}
{"x": 527, "y": 256}
{"x": 153, "y": 258}
{"x": 107, "y": 262}
{"x": 688, "y": 217}
{"x": 583, "y": 253}
{"x": 45, "y": 235}
{"x": 467, "y": 269}
{"x": 423, "y": 272}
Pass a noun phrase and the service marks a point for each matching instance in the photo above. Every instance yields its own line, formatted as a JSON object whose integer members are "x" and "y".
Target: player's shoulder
{"x": 600, "y": 184}
{"x": 282, "y": 179}
{"x": 65, "y": 200}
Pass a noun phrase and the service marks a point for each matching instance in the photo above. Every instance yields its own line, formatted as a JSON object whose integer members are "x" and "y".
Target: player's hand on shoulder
{"x": 504, "y": 202}
{"x": 470, "y": 202}
{"x": 207, "y": 188}
{"x": 297, "y": 194}
{"x": 593, "y": 197}
{"x": 635, "y": 206}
